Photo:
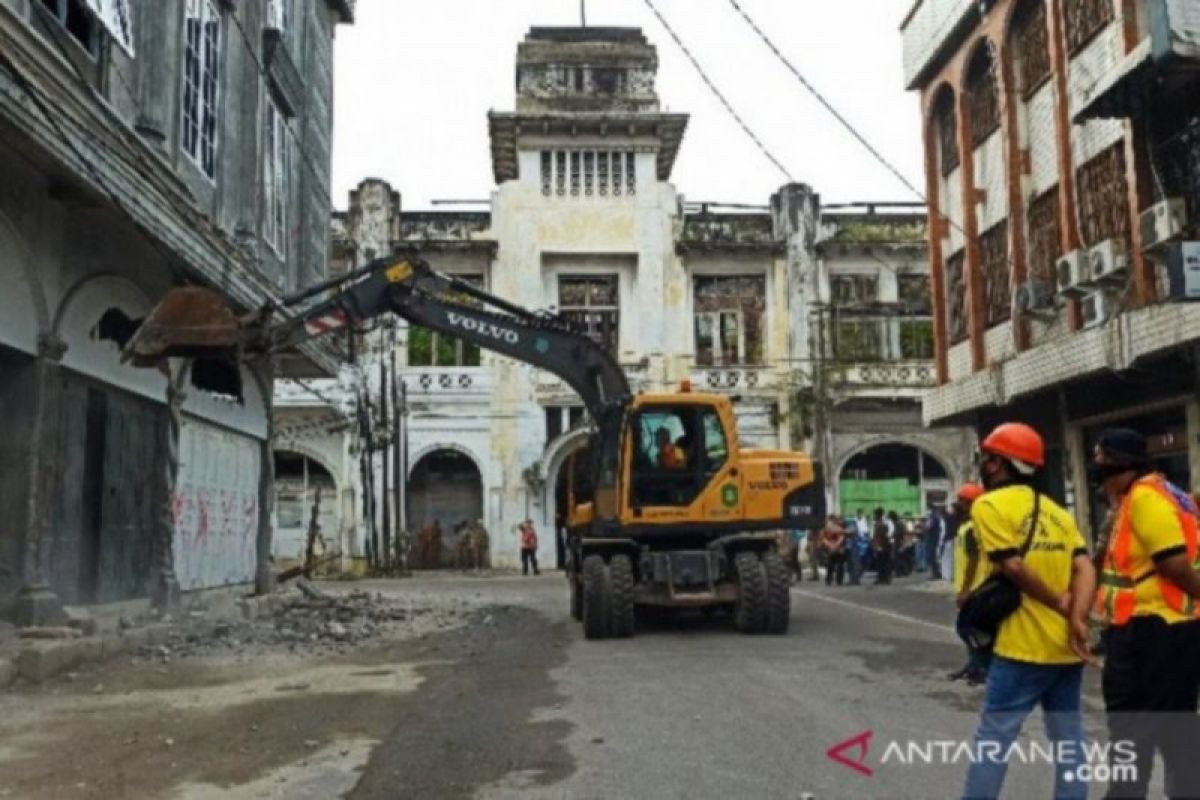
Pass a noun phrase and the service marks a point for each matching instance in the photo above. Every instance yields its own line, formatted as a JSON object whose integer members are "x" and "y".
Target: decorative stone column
{"x": 36, "y": 604}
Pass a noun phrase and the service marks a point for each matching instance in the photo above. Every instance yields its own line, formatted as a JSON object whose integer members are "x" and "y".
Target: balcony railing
{"x": 447, "y": 380}
{"x": 731, "y": 378}
{"x": 889, "y": 374}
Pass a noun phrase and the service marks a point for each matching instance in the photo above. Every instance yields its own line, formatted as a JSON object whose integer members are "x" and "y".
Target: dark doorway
{"x": 445, "y": 492}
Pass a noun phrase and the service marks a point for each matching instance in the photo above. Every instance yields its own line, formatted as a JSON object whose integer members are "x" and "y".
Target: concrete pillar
{"x": 36, "y": 603}
{"x": 164, "y": 587}
{"x": 264, "y": 578}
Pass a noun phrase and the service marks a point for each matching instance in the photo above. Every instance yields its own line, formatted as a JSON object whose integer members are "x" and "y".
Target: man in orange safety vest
{"x": 1149, "y": 597}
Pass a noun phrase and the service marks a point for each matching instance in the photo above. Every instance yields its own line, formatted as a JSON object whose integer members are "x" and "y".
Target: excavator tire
{"x": 750, "y": 612}
{"x": 576, "y": 598}
{"x": 597, "y": 598}
{"x": 620, "y": 570}
{"x": 779, "y": 595}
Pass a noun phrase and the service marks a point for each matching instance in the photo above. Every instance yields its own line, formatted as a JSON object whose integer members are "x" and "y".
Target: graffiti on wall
{"x": 216, "y": 507}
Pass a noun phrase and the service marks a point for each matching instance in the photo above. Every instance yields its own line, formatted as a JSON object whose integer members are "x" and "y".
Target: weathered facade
{"x": 145, "y": 145}
{"x": 585, "y": 222}
{"x": 1061, "y": 155}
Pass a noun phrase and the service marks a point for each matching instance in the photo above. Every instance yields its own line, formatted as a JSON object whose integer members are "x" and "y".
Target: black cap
{"x": 1123, "y": 446}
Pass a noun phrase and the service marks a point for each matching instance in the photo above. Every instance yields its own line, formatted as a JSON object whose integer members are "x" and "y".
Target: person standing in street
{"x": 933, "y": 542}
{"x": 881, "y": 547}
{"x": 1149, "y": 599}
{"x": 969, "y": 573}
{"x": 1034, "y": 544}
{"x": 857, "y": 532}
{"x": 529, "y": 545}
{"x": 833, "y": 541}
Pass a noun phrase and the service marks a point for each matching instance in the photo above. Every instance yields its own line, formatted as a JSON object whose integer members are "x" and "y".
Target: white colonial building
{"x": 585, "y": 222}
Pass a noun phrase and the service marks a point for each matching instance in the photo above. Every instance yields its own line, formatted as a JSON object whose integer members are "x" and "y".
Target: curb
{"x": 37, "y": 661}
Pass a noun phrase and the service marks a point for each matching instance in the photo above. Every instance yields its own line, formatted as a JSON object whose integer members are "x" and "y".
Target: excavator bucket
{"x": 188, "y": 322}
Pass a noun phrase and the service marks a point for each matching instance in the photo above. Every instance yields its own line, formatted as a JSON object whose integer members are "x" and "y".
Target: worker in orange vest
{"x": 1149, "y": 597}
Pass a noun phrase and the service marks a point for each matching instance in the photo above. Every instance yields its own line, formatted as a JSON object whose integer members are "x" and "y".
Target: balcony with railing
{"x": 448, "y": 383}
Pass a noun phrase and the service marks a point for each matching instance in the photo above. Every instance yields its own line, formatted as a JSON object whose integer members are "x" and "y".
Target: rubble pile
{"x": 308, "y": 621}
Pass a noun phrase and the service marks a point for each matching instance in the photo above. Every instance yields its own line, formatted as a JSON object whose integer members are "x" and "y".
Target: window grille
{"x": 983, "y": 99}
{"x": 956, "y": 297}
{"x": 946, "y": 128}
{"x": 1085, "y": 19}
{"x": 1104, "y": 197}
{"x": 994, "y": 264}
{"x": 1031, "y": 40}
{"x": 1045, "y": 237}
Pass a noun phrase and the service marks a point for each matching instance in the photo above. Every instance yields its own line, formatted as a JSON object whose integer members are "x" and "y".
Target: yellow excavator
{"x": 665, "y": 508}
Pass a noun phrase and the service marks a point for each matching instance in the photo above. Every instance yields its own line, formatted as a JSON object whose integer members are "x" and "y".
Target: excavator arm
{"x": 193, "y": 322}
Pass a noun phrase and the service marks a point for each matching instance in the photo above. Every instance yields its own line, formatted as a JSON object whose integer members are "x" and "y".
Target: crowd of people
{"x": 882, "y": 543}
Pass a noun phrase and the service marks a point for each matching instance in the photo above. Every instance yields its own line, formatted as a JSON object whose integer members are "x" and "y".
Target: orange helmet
{"x": 970, "y": 492}
{"x": 1018, "y": 443}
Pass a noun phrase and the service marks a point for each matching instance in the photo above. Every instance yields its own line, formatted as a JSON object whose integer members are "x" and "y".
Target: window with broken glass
{"x": 1085, "y": 19}
{"x": 279, "y": 15}
{"x": 728, "y": 316}
{"x": 428, "y": 348}
{"x": 914, "y": 293}
{"x": 853, "y": 290}
{"x": 857, "y": 340}
{"x": 78, "y": 20}
{"x": 994, "y": 264}
{"x": 201, "y": 83}
{"x": 956, "y": 297}
{"x": 591, "y": 304}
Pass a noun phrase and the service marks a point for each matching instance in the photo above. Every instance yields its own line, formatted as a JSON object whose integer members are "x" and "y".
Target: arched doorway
{"x": 445, "y": 493}
{"x": 302, "y": 483}
{"x": 894, "y": 476}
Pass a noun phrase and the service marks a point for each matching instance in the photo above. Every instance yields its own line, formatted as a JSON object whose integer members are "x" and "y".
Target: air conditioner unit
{"x": 1069, "y": 274}
{"x": 1033, "y": 298}
{"x": 1097, "y": 308}
{"x": 1108, "y": 264}
{"x": 1163, "y": 222}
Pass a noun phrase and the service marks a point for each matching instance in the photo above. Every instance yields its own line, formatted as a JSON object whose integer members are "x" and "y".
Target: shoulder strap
{"x": 1033, "y": 522}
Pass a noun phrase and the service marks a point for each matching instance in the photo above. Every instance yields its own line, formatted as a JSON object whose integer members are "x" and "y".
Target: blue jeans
{"x": 1014, "y": 689}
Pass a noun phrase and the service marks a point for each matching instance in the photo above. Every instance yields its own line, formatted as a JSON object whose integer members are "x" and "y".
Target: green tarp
{"x": 893, "y": 494}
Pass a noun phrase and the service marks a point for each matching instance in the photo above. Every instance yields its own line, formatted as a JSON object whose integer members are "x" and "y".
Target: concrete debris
{"x": 307, "y": 620}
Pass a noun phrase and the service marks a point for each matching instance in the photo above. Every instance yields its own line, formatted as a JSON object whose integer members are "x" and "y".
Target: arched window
{"x": 1030, "y": 42}
{"x": 945, "y": 127}
{"x": 983, "y": 99}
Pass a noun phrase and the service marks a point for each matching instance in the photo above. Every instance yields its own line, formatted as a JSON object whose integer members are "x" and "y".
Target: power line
{"x": 717, "y": 92}
{"x": 827, "y": 105}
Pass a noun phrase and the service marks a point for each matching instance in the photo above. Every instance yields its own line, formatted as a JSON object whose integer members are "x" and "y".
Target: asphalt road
{"x": 515, "y": 703}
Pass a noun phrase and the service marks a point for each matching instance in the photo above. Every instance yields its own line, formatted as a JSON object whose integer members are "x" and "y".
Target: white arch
{"x": 430, "y": 449}
{"x": 557, "y": 452}
{"x": 913, "y": 441}
{"x": 311, "y": 453}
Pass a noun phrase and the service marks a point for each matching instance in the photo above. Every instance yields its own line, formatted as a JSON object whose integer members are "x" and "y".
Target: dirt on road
{"x": 419, "y": 711}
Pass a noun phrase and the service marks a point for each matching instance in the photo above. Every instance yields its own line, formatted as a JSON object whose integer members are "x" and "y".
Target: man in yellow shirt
{"x": 1148, "y": 598}
{"x": 1031, "y": 541}
{"x": 968, "y": 574}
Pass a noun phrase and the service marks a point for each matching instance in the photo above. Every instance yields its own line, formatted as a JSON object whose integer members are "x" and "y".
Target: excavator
{"x": 665, "y": 508}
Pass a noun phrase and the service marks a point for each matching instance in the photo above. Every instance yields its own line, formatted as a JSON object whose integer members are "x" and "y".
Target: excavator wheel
{"x": 620, "y": 570}
{"x": 597, "y": 598}
{"x": 750, "y": 612}
{"x": 576, "y": 598}
{"x": 779, "y": 595}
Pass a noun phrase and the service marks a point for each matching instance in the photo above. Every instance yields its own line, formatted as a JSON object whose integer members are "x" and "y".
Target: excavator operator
{"x": 670, "y": 455}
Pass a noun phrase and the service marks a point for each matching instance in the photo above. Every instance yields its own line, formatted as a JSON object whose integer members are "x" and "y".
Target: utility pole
{"x": 398, "y": 476}
{"x": 385, "y": 488}
{"x": 583, "y": 13}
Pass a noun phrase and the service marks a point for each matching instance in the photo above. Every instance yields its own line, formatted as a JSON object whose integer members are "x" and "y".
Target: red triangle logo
{"x": 853, "y": 753}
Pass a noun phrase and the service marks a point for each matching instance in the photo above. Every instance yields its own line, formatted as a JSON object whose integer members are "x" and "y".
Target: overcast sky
{"x": 416, "y": 78}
